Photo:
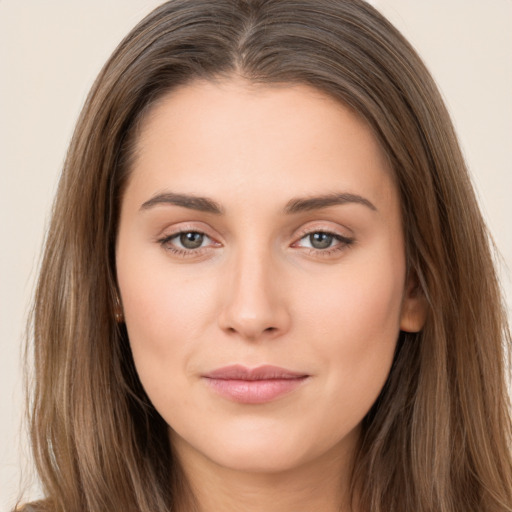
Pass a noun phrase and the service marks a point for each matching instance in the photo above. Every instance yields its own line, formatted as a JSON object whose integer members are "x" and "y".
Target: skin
{"x": 258, "y": 291}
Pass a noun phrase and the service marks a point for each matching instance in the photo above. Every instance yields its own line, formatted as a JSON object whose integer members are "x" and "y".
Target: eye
{"x": 191, "y": 239}
{"x": 320, "y": 240}
{"x": 186, "y": 242}
{"x": 323, "y": 241}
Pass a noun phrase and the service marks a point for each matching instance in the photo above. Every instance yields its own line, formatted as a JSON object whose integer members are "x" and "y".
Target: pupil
{"x": 320, "y": 240}
{"x": 191, "y": 240}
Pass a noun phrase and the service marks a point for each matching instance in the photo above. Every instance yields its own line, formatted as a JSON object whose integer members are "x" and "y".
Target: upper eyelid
{"x": 184, "y": 227}
{"x": 166, "y": 243}
{"x": 343, "y": 232}
{"x": 171, "y": 236}
{"x": 340, "y": 238}
{"x": 319, "y": 230}
{"x": 305, "y": 230}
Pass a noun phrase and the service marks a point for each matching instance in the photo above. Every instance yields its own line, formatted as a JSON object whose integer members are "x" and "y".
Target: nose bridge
{"x": 254, "y": 305}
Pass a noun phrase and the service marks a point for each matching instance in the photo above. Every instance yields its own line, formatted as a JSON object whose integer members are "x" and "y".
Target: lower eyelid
{"x": 176, "y": 248}
{"x": 342, "y": 242}
{"x": 176, "y": 236}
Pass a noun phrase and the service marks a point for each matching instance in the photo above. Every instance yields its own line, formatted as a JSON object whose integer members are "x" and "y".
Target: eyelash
{"x": 343, "y": 243}
{"x": 165, "y": 242}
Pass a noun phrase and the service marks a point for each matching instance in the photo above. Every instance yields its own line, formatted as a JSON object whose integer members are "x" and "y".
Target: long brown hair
{"x": 439, "y": 436}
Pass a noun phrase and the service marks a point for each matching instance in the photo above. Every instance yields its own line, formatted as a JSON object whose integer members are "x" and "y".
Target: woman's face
{"x": 261, "y": 268}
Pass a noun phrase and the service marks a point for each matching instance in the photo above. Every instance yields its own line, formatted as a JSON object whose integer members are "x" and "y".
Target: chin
{"x": 259, "y": 460}
{"x": 260, "y": 447}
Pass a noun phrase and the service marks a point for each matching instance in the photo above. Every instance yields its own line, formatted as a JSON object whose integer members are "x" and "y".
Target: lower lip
{"x": 254, "y": 391}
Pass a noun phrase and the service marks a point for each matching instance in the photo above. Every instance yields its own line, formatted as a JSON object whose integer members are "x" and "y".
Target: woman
{"x": 267, "y": 284}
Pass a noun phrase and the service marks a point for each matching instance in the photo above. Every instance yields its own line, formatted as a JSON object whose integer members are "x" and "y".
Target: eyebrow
{"x": 324, "y": 201}
{"x": 202, "y": 204}
{"x": 296, "y": 205}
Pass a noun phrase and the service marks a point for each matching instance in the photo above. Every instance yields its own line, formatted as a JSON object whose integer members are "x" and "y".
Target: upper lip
{"x": 265, "y": 372}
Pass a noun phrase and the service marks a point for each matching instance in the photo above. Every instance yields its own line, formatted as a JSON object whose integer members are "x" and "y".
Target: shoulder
{"x": 35, "y": 506}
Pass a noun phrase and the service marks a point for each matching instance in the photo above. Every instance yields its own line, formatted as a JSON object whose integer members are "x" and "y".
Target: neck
{"x": 322, "y": 484}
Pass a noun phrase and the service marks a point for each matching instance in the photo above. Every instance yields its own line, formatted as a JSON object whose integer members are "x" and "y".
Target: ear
{"x": 118, "y": 308}
{"x": 414, "y": 306}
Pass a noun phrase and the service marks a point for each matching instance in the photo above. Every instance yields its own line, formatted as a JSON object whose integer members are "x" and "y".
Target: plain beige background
{"x": 51, "y": 51}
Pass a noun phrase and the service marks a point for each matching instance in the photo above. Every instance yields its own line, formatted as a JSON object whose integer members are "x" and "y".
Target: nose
{"x": 254, "y": 305}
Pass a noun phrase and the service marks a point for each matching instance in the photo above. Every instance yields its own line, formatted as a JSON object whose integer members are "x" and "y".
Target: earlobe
{"x": 118, "y": 309}
{"x": 414, "y": 307}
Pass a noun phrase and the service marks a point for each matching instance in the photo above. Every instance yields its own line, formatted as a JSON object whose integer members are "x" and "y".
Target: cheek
{"x": 363, "y": 297}
{"x": 166, "y": 314}
{"x": 163, "y": 305}
{"x": 354, "y": 325}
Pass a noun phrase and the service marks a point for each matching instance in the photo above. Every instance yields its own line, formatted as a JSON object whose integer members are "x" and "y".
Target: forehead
{"x": 232, "y": 137}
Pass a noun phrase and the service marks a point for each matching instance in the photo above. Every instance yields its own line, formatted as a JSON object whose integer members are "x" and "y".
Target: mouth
{"x": 253, "y": 385}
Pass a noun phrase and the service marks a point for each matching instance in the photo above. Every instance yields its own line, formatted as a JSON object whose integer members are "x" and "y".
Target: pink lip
{"x": 253, "y": 385}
